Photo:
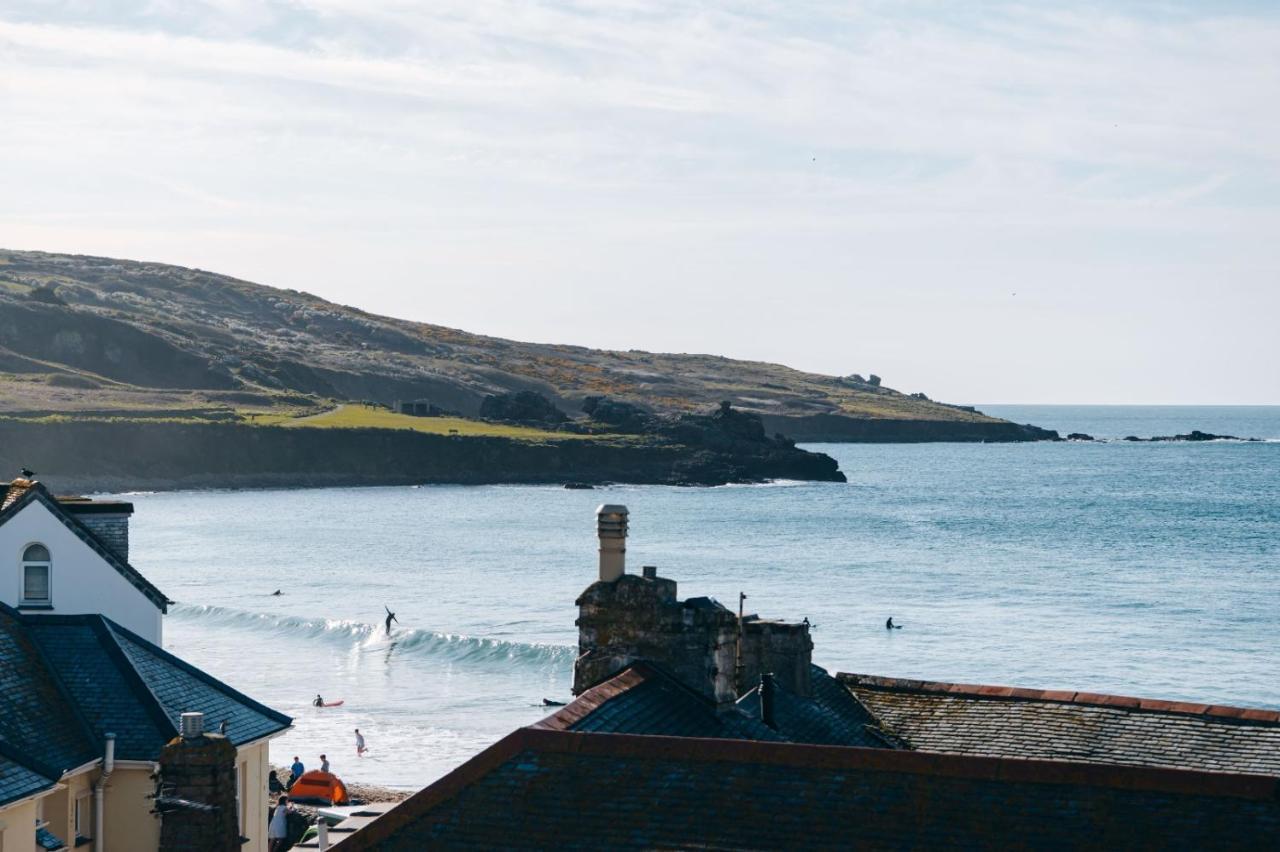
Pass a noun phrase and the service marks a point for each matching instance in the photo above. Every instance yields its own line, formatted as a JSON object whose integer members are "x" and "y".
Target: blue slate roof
{"x": 67, "y": 680}
{"x": 831, "y": 716}
{"x": 18, "y": 782}
{"x": 645, "y": 699}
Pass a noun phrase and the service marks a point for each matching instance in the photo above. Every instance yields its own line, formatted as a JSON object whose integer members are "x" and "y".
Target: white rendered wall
{"x": 80, "y": 581}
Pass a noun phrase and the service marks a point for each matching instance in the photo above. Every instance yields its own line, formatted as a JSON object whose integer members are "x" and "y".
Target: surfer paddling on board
{"x": 391, "y": 616}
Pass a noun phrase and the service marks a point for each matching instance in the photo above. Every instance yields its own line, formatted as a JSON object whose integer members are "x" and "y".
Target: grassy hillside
{"x": 101, "y": 337}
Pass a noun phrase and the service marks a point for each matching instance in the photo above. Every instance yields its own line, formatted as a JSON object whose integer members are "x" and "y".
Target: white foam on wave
{"x": 363, "y": 637}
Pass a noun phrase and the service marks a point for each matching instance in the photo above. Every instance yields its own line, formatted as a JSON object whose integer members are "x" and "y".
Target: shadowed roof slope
{"x": 1077, "y": 726}
{"x": 642, "y": 699}
{"x": 543, "y": 789}
{"x": 830, "y": 717}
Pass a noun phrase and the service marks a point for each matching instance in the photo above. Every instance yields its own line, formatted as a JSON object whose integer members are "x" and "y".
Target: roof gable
{"x": 1089, "y": 727}
{"x": 33, "y": 492}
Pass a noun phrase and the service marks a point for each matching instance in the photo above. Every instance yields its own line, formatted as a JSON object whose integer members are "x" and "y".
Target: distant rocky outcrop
{"x": 1079, "y": 436}
{"x": 1193, "y": 435}
{"x": 527, "y": 408}
{"x": 619, "y": 416}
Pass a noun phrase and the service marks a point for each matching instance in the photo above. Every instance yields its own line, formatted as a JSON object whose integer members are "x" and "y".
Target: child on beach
{"x": 360, "y": 749}
{"x": 324, "y": 763}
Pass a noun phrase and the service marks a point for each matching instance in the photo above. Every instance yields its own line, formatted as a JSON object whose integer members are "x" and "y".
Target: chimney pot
{"x": 611, "y": 528}
{"x": 192, "y": 726}
{"x": 650, "y": 572}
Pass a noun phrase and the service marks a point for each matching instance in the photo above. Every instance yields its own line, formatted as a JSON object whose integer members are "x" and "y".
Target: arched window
{"x": 36, "y": 568}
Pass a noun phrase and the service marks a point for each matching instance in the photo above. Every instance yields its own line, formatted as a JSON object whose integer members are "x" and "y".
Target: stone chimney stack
{"x": 107, "y": 519}
{"x": 196, "y": 792}
{"x": 611, "y": 526}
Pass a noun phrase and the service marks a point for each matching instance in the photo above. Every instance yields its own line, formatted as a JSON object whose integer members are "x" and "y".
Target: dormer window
{"x": 36, "y": 568}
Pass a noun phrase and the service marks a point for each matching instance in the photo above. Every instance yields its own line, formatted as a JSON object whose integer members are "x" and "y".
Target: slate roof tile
{"x": 542, "y": 789}
{"x": 1091, "y": 727}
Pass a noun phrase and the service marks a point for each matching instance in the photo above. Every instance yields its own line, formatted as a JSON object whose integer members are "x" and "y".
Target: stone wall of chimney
{"x": 111, "y": 529}
{"x": 201, "y": 770}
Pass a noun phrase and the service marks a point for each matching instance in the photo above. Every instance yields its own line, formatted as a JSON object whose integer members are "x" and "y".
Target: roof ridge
{"x": 1092, "y": 699}
{"x": 593, "y": 698}
{"x": 77, "y": 713}
{"x": 648, "y": 747}
{"x": 100, "y": 625}
{"x": 199, "y": 674}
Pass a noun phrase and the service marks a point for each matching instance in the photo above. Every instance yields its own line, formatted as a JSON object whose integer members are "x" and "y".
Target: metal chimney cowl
{"x": 611, "y": 527}
{"x": 192, "y": 726}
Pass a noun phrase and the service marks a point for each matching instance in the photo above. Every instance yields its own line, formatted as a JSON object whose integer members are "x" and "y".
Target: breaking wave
{"x": 362, "y": 637}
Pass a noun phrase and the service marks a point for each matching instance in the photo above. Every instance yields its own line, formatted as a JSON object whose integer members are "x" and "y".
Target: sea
{"x": 1149, "y": 569}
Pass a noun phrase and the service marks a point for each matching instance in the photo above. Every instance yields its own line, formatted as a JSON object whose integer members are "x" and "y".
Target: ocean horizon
{"x": 1140, "y": 569}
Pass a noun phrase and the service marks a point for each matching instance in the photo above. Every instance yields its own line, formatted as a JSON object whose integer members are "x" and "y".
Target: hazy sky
{"x": 1037, "y": 202}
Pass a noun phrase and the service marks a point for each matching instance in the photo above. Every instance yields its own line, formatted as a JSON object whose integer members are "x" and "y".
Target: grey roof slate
{"x": 549, "y": 789}
{"x": 1101, "y": 729}
{"x": 180, "y": 687}
{"x": 831, "y": 716}
{"x": 67, "y": 680}
{"x": 37, "y": 720}
{"x": 18, "y": 781}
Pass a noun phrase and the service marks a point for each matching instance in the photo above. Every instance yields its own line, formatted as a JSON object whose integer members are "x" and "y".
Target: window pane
{"x": 35, "y": 582}
{"x": 36, "y": 553}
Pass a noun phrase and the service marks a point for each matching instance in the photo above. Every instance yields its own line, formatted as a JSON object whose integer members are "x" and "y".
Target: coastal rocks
{"x": 1079, "y": 436}
{"x": 836, "y": 428}
{"x": 618, "y": 416}
{"x": 1193, "y": 435}
{"x": 525, "y": 407}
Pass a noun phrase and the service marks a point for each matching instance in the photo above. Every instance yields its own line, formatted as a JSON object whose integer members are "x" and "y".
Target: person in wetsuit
{"x": 889, "y": 625}
{"x": 391, "y": 616}
{"x": 317, "y": 701}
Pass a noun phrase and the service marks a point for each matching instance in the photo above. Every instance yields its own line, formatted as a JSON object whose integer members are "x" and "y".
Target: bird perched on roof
{"x": 27, "y": 473}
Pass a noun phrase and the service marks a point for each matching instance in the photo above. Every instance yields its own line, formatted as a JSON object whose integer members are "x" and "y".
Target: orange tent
{"x": 317, "y": 786}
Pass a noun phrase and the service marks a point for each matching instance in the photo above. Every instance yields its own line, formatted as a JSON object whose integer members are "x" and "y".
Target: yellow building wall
{"x": 131, "y": 827}
{"x": 18, "y": 828}
{"x": 252, "y": 766}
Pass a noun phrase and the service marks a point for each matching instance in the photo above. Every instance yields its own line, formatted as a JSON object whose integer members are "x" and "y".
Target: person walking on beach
{"x": 295, "y": 771}
{"x": 360, "y": 749}
{"x": 324, "y": 763}
{"x": 391, "y": 616}
{"x": 278, "y": 828}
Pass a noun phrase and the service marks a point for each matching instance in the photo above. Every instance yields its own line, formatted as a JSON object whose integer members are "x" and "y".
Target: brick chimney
{"x": 196, "y": 793}
{"x": 611, "y": 527}
{"x": 106, "y": 519}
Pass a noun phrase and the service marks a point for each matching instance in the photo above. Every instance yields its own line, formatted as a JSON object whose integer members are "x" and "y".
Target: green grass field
{"x": 355, "y": 416}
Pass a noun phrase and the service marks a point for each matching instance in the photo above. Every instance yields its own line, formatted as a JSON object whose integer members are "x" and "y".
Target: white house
{"x": 70, "y": 556}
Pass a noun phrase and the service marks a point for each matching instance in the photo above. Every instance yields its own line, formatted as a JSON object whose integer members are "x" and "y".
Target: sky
{"x": 987, "y": 202}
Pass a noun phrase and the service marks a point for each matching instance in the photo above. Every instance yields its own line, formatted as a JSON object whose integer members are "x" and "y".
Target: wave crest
{"x": 360, "y": 636}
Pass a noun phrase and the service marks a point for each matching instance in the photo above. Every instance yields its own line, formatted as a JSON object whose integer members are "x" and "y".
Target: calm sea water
{"x": 1147, "y": 569}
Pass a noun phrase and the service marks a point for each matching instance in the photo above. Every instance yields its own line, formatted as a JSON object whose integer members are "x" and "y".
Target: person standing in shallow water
{"x": 360, "y": 749}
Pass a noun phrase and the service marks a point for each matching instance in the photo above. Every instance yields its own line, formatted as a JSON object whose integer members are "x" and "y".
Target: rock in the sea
{"x": 1080, "y": 436}
{"x": 527, "y": 407}
{"x": 1193, "y": 435}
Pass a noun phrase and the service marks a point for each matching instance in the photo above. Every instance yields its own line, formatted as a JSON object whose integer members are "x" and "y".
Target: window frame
{"x": 47, "y": 565}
